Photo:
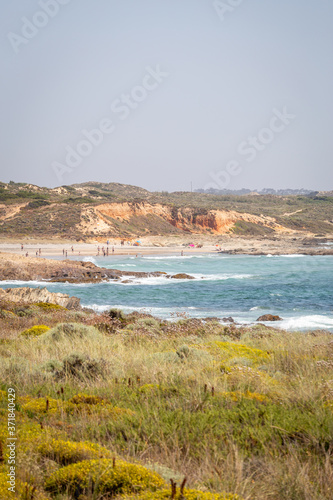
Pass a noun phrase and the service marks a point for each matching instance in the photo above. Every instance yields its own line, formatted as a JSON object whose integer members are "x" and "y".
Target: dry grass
{"x": 251, "y": 416}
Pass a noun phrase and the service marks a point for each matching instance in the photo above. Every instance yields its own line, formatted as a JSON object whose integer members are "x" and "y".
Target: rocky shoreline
{"x": 19, "y": 268}
{"x": 27, "y": 296}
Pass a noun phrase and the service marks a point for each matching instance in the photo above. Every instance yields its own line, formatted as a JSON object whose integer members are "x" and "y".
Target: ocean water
{"x": 297, "y": 288}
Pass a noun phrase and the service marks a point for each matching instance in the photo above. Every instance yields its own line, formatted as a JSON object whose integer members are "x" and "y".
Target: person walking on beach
{"x": 63, "y": 251}
{"x": 72, "y": 248}
{"x": 66, "y": 253}
{"x": 21, "y": 246}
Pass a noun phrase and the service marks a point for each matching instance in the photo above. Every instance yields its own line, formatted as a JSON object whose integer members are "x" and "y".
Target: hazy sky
{"x": 162, "y": 93}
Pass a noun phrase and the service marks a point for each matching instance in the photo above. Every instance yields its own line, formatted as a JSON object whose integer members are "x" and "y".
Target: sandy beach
{"x": 302, "y": 244}
{"x": 91, "y": 249}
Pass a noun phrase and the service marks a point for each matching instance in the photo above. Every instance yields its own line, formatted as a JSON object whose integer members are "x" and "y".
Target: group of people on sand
{"x": 104, "y": 251}
{"x": 65, "y": 252}
{"x": 38, "y": 252}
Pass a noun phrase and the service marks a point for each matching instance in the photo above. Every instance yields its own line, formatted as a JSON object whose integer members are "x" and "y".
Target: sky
{"x": 167, "y": 94}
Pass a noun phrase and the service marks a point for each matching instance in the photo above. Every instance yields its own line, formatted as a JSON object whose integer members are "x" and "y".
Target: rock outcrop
{"x": 27, "y": 295}
{"x": 17, "y": 267}
{"x": 269, "y": 317}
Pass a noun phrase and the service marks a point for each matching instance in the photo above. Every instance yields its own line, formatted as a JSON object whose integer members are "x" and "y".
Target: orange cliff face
{"x": 105, "y": 218}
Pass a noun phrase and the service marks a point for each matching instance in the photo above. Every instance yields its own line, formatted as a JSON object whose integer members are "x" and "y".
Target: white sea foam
{"x": 90, "y": 259}
{"x": 25, "y": 283}
{"x": 315, "y": 321}
{"x": 163, "y": 280}
{"x": 292, "y": 256}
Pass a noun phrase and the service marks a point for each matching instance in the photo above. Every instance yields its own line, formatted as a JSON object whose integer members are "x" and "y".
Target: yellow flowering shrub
{"x": 227, "y": 351}
{"x": 247, "y": 375}
{"x": 187, "y": 495}
{"x": 25, "y": 429}
{"x": 103, "y": 477}
{"x": 68, "y": 452}
{"x": 42, "y": 406}
{"x": 94, "y": 405}
{"x": 23, "y": 490}
{"x": 238, "y": 395}
{"x": 35, "y": 331}
{"x": 149, "y": 388}
{"x": 80, "y": 405}
{"x": 47, "y": 306}
{"x": 87, "y": 399}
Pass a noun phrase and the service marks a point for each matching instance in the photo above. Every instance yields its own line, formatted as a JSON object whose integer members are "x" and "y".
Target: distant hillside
{"x": 241, "y": 192}
{"x": 92, "y": 209}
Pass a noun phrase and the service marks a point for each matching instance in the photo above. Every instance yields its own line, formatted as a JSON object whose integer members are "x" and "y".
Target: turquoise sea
{"x": 297, "y": 288}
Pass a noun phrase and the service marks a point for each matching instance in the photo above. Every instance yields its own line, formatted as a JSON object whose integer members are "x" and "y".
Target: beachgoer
{"x": 27, "y": 254}
{"x": 66, "y": 253}
{"x": 21, "y": 246}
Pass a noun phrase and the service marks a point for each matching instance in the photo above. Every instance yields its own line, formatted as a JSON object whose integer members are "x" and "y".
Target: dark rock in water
{"x": 182, "y": 276}
{"x": 269, "y": 317}
{"x": 228, "y": 320}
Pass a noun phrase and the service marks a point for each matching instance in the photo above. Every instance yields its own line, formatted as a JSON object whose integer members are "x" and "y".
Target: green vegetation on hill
{"x": 54, "y": 212}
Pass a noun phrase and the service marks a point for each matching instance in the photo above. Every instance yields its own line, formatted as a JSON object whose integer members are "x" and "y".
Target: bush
{"x": 37, "y": 204}
{"x": 116, "y": 314}
{"x": 42, "y": 406}
{"x": 69, "y": 452}
{"x": 35, "y": 331}
{"x": 229, "y": 351}
{"x": 149, "y": 322}
{"x": 48, "y": 306}
{"x": 103, "y": 477}
{"x": 23, "y": 312}
{"x": 23, "y": 490}
{"x": 65, "y": 331}
{"x": 86, "y": 399}
{"x": 82, "y": 366}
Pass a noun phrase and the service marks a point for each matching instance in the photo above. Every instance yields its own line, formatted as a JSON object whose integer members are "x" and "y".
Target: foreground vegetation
{"x": 137, "y": 408}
